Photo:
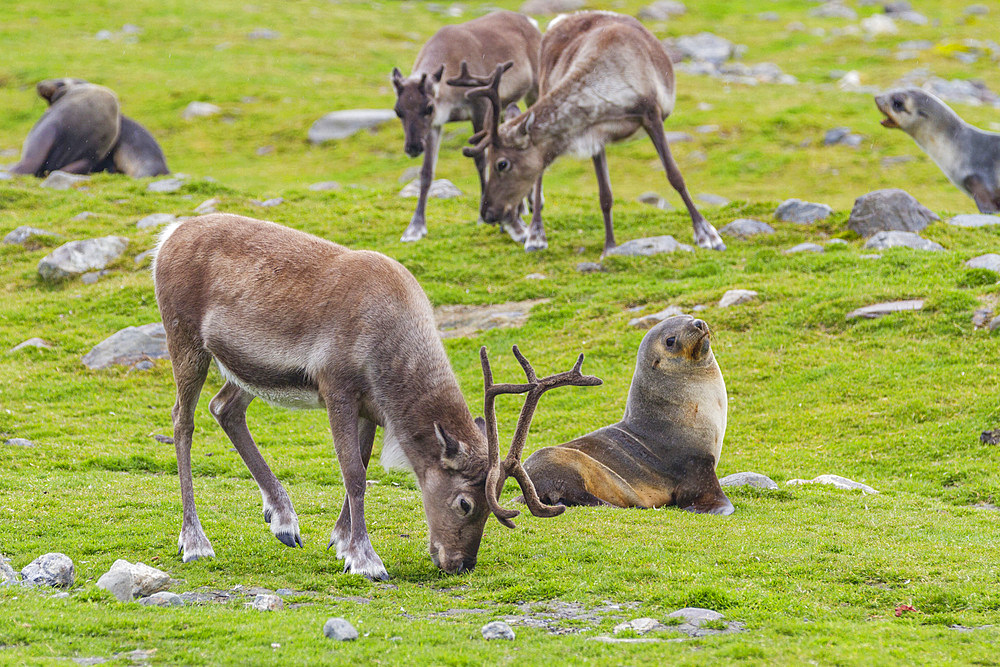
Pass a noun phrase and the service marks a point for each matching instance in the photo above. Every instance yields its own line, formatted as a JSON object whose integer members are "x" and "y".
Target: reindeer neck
{"x": 568, "y": 112}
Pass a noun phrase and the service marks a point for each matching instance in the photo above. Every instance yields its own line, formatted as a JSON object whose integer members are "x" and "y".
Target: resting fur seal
{"x": 75, "y": 133}
{"x": 968, "y": 156}
{"x": 136, "y": 152}
{"x": 665, "y": 449}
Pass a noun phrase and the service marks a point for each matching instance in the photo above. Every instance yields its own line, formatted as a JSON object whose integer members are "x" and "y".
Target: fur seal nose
{"x": 700, "y": 325}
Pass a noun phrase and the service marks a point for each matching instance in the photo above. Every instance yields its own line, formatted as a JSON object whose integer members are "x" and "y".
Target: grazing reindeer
{"x": 602, "y": 77}
{"x": 305, "y": 323}
{"x": 425, "y": 104}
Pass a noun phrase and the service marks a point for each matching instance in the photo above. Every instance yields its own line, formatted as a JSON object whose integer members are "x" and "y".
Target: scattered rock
{"x": 889, "y": 210}
{"x": 83, "y": 215}
{"x": 441, "y": 189}
{"x": 268, "y": 203}
{"x": 19, "y": 442}
{"x": 803, "y": 212}
{"x": 711, "y": 200}
{"x": 976, "y": 10}
{"x": 78, "y": 257}
{"x": 497, "y": 630}
{"x": 141, "y": 257}
{"x": 834, "y": 10}
{"x": 24, "y": 233}
{"x": 696, "y": 618}
{"x": 885, "y": 240}
{"x": 200, "y": 110}
{"x": 61, "y": 180}
{"x": 92, "y": 277}
{"x": 887, "y": 308}
{"x": 962, "y": 91}
{"x": 118, "y": 582}
{"x": 991, "y": 262}
{"x": 535, "y": 276}
{"x": 654, "y": 245}
{"x": 651, "y": 320}
{"x": 654, "y": 199}
{"x": 264, "y": 602}
{"x": 155, "y": 220}
{"x": 753, "y": 479}
{"x": 264, "y": 150}
{"x": 640, "y": 626}
{"x": 263, "y": 33}
{"x": 974, "y": 220}
{"x": 994, "y": 324}
{"x": 339, "y": 630}
{"x": 982, "y": 317}
{"x": 207, "y": 206}
{"x": 162, "y": 599}
{"x": 343, "y": 124}
{"x": 590, "y": 267}
{"x": 459, "y": 321}
{"x": 8, "y": 575}
{"x": 706, "y": 46}
{"x": 990, "y": 437}
{"x": 893, "y": 160}
{"x": 735, "y": 297}
{"x": 52, "y": 569}
{"x": 126, "y": 580}
{"x": 835, "y": 481}
{"x": 31, "y": 342}
{"x": 325, "y": 186}
{"x": 745, "y": 227}
{"x": 548, "y": 7}
{"x": 129, "y": 346}
{"x": 662, "y": 10}
{"x": 879, "y": 24}
{"x": 842, "y": 136}
{"x": 166, "y": 185}
{"x": 803, "y": 247}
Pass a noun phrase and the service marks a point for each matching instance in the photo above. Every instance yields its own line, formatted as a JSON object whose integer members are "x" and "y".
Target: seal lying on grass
{"x": 665, "y": 449}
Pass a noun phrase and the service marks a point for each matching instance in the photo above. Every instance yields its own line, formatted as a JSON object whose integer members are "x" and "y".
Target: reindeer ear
{"x": 438, "y": 74}
{"x": 481, "y": 423}
{"x": 528, "y": 122}
{"x": 397, "y": 79}
{"x": 450, "y": 447}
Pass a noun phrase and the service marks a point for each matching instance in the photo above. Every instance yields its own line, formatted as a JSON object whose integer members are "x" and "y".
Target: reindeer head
{"x": 513, "y": 161}
{"x": 460, "y": 495}
{"x": 415, "y": 107}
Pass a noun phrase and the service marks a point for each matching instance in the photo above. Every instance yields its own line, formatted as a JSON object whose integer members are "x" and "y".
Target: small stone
{"x": 31, "y": 342}
{"x": 84, "y": 215}
{"x": 651, "y": 320}
{"x": 889, "y": 210}
{"x": 745, "y": 227}
{"x": 654, "y": 245}
{"x": 982, "y": 317}
{"x": 549, "y": 7}
{"x": 770, "y": 17}
{"x": 706, "y": 47}
{"x": 339, "y": 630}
{"x": 535, "y": 276}
{"x": 52, "y": 569}
{"x": 162, "y": 599}
{"x": 803, "y": 247}
{"x": 92, "y": 277}
{"x": 155, "y": 220}
{"x": 879, "y": 24}
{"x": 711, "y": 200}
{"x": 61, "y": 180}
{"x": 696, "y": 615}
{"x": 834, "y": 10}
{"x": 129, "y": 346}
{"x": 78, "y": 257}
{"x": 264, "y": 602}
{"x": 994, "y": 324}
{"x": 165, "y": 439}
{"x": 19, "y": 442}
{"x": 343, "y": 124}
{"x": 803, "y": 212}
{"x": 735, "y": 297}
{"x": 753, "y": 479}
{"x": 885, "y": 240}
{"x": 640, "y": 626}
{"x": 8, "y": 575}
{"x": 590, "y": 267}
{"x": 662, "y": 10}
{"x": 976, "y": 10}
{"x": 654, "y": 199}
{"x": 707, "y": 129}
{"x": 263, "y": 33}
{"x": 207, "y": 206}
{"x": 104, "y": 35}
{"x": 887, "y": 308}
{"x": 25, "y": 233}
{"x": 441, "y": 189}
{"x": 268, "y": 203}
{"x": 975, "y": 220}
{"x": 990, "y": 262}
{"x": 497, "y": 630}
{"x": 677, "y": 137}
{"x": 142, "y": 256}
{"x": 264, "y": 150}
{"x": 842, "y": 136}
{"x": 118, "y": 582}
{"x": 325, "y": 186}
{"x": 836, "y": 481}
{"x": 836, "y": 242}
{"x": 200, "y": 110}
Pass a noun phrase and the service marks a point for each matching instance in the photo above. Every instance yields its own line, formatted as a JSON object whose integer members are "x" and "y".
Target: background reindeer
{"x": 425, "y": 104}
{"x": 305, "y": 323}
{"x": 602, "y": 77}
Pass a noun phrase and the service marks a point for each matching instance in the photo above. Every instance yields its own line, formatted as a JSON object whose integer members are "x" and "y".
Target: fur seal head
{"x": 915, "y": 111}
{"x": 52, "y": 89}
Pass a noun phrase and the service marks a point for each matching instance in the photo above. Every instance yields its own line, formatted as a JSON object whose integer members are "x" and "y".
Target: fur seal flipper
{"x": 968, "y": 156}
{"x": 135, "y": 154}
{"x": 665, "y": 449}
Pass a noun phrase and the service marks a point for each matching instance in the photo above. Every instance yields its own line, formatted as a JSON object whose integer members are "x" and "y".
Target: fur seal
{"x": 136, "y": 152}
{"x": 665, "y": 449}
{"x": 968, "y": 156}
{"x": 75, "y": 133}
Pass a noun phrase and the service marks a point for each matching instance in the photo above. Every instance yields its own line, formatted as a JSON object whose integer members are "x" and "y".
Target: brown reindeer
{"x": 305, "y": 323}
{"x": 603, "y": 76}
{"x": 424, "y": 103}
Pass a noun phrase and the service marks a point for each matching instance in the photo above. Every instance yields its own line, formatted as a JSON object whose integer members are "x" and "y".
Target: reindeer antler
{"x": 511, "y": 465}
{"x": 488, "y": 87}
{"x": 466, "y": 80}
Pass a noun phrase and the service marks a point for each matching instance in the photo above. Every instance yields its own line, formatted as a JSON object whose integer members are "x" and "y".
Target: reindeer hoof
{"x": 413, "y": 234}
{"x": 535, "y": 244}
{"x": 193, "y": 547}
{"x": 372, "y": 568}
{"x": 515, "y": 230}
{"x": 290, "y": 539}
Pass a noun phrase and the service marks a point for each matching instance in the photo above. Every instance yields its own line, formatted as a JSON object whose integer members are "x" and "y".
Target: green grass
{"x": 814, "y": 574}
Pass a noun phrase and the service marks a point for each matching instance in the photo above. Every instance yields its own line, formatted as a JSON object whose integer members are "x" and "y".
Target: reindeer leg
{"x": 704, "y": 233}
{"x": 536, "y": 232}
{"x": 418, "y": 225}
{"x": 607, "y": 200}
{"x": 359, "y": 554}
{"x": 190, "y": 370}
{"x": 229, "y": 407}
{"x": 342, "y": 530}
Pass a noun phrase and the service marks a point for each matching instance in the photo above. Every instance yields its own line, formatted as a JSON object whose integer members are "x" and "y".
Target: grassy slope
{"x": 814, "y": 574}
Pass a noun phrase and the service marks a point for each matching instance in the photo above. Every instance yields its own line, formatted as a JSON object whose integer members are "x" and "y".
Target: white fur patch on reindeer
{"x": 393, "y": 457}
{"x": 292, "y": 398}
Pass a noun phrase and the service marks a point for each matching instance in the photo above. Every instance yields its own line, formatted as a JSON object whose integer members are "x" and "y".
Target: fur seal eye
{"x": 898, "y": 105}
{"x": 670, "y": 341}
{"x": 503, "y": 164}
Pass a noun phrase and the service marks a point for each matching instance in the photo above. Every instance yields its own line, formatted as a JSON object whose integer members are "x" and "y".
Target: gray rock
{"x": 695, "y": 620}
{"x": 887, "y": 308}
{"x": 753, "y": 479}
{"x": 8, "y": 575}
{"x": 268, "y": 203}
{"x": 990, "y": 262}
{"x": 696, "y": 615}
{"x": 916, "y": 18}
{"x": 200, "y": 110}
{"x": 711, "y": 200}
{"x": 31, "y": 342}
{"x": 92, "y": 277}
{"x": 118, "y": 582}
{"x": 409, "y": 174}
{"x": 325, "y": 186}
{"x": 842, "y": 136}
{"x": 166, "y": 185}
{"x": 460, "y": 320}
{"x": 60, "y": 180}
{"x": 104, "y": 35}
{"x": 662, "y": 10}
{"x": 879, "y": 24}
{"x": 834, "y": 10}
{"x": 343, "y": 124}
{"x": 207, "y": 206}
{"x": 590, "y": 267}
{"x": 744, "y": 227}
{"x": 155, "y": 220}
{"x": 263, "y": 33}
{"x": 162, "y": 599}
{"x": 24, "y": 233}
{"x": 654, "y": 199}
{"x": 654, "y": 245}
{"x": 141, "y": 257}
{"x": 77, "y": 257}
{"x": 266, "y": 602}
{"x": 497, "y": 630}
{"x": 803, "y": 212}
{"x": 803, "y": 247}
{"x": 994, "y": 324}
{"x": 441, "y": 189}
{"x": 651, "y": 320}
{"x": 549, "y": 7}
{"x": 339, "y": 630}
{"x": 976, "y": 10}
{"x": 889, "y": 210}
{"x": 735, "y": 297}
{"x": 127, "y": 580}
{"x": 640, "y": 626}
{"x": 885, "y": 240}
{"x": 706, "y": 47}
{"x": 84, "y": 215}
{"x": 963, "y": 91}
{"x": 974, "y": 220}
{"x": 835, "y": 481}
{"x": 836, "y": 242}
{"x": 19, "y": 442}
{"x": 677, "y": 137}
{"x": 52, "y": 569}
{"x": 535, "y": 276}
{"x": 982, "y": 317}
{"x": 129, "y": 346}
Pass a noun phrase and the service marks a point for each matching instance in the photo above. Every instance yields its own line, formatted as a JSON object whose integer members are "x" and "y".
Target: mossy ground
{"x": 815, "y": 574}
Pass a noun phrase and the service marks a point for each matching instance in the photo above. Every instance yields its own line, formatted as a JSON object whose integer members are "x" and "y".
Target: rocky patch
{"x": 746, "y": 227}
{"x": 52, "y": 569}
{"x": 78, "y": 257}
{"x": 889, "y": 210}
{"x": 61, "y": 180}
{"x": 343, "y": 124}
{"x": 497, "y": 630}
{"x": 440, "y": 189}
{"x": 835, "y": 481}
{"x": 654, "y": 245}
{"x": 887, "y": 308}
{"x": 753, "y": 479}
{"x": 802, "y": 212}
{"x": 339, "y": 629}
{"x": 974, "y": 220}
{"x": 129, "y": 346}
{"x": 462, "y": 321}
{"x": 885, "y": 240}
{"x": 651, "y": 320}
{"x": 736, "y": 297}
{"x": 25, "y": 235}
{"x": 200, "y": 110}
